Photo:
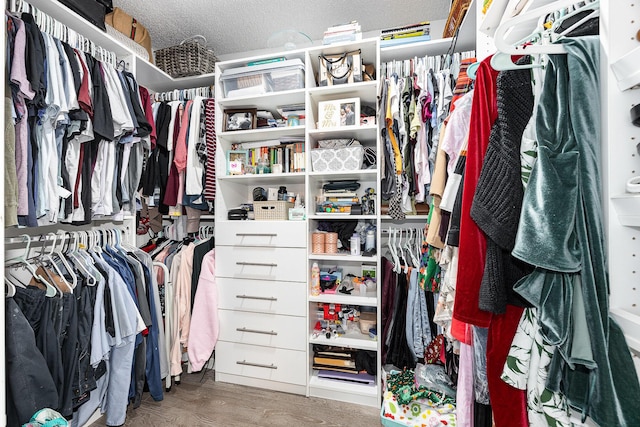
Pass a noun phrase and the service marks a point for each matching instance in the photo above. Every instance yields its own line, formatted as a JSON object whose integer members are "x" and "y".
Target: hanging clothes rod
{"x": 185, "y": 94}
{"x": 400, "y": 230}
{"x": 63, "y": 33}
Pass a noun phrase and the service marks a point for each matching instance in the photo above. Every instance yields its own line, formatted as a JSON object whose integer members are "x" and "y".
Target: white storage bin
{"x": 263, "y": 78}
{"x": 337, "y": 159}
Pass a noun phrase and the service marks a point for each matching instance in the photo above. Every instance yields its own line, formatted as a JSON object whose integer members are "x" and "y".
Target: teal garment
{"x": 561, "y": 233}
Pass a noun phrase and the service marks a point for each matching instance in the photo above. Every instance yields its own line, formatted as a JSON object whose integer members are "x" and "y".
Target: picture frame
{"x": 240, "y": 119}
{"x": 237, "y": 161}
{"x": 339, "y": 113}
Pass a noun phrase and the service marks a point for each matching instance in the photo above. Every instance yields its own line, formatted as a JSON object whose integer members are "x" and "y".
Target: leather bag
{"x": 93, "y": 11}
{"x": 130, "y": 27}
{"x": 340, "y": 69}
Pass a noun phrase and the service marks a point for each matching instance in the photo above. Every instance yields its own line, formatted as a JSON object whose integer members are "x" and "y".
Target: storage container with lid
{"x": 263, "y": 78}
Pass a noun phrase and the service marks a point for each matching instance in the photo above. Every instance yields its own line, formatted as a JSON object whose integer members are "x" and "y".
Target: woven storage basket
{"x": 189, "y": 58}
{"x": 271, "y": 210}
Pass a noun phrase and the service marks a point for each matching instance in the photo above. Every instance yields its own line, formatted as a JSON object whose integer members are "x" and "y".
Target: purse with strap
{"x": 130, "y": 27}
{"x": 340, "y": 68}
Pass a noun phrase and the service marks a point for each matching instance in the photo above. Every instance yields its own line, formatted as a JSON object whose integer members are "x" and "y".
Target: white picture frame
{"x": 339, "y": 113}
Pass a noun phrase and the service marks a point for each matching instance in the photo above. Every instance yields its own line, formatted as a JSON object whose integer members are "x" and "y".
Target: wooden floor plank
{"x": 209, "y": 403}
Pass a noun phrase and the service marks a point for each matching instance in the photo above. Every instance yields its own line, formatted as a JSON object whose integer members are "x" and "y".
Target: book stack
{"x": 343, "y": 33}
{"x": 334, "y": 359}
{"x": 337, "y": 363}
{"x": 285, "y": 155}
{"x": 413, "y": 33}
{"x": 337, "y": 201}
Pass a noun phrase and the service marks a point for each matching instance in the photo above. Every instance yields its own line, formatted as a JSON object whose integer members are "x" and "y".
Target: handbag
{"x": 130, "y": 27}
{"x": 93, "y": 11}
{"x": 340, "y": 68}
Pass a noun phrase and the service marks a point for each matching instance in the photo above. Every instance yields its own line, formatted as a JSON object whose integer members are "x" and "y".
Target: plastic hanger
{"x": 48, "y": 259}
{"x": 10, "y": 288}
{"x": 502, "y": 61}
{"x": 23, "y": 260}
{"x": 545, "y": 47}
{"x": 63, "y": 259}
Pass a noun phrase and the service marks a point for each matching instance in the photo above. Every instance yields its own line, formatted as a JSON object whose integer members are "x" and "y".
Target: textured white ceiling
{"x": 232, "y": 26}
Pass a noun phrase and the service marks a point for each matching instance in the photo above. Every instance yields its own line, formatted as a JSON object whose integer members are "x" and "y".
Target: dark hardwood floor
{"x": 210, "y": 403}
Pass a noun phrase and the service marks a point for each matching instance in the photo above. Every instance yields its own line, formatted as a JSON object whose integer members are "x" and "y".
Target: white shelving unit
{"x": 234, "y": 190}
{"x": 620, "y": 162}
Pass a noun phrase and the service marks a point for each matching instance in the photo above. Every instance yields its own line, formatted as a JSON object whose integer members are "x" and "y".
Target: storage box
{"x": 263, "y": 78}
{"x": 272, "y": 210}
{"x": 367, "y": 321}
{"x": 337, "y": 159}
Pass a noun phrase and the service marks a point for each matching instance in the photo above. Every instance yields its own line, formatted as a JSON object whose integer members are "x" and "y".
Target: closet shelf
{"x": 260, "y": 179}
{"x": 367, "y": 91}
{"x": 628, "y": 208}
{"x": 261, "y": 134}
{"x": 466, "y": 42}
{"x": 407, "y": 217}
{"x": 350, "y": 339}
{"x": 369, "y": 301}
{"x": 147, "y": 74}
{"x": 342, "y": 386}
{"x": 269, "y": 101}
{"x": 630, "y": 324}
{"x": 342, "y": 258}
{"x": 358, "y": 132}
{"x": 330, "y": 216}
{"x": 361, "y": 175}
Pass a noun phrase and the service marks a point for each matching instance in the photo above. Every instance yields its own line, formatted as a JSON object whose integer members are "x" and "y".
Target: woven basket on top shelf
{"x": 189, "y": 58}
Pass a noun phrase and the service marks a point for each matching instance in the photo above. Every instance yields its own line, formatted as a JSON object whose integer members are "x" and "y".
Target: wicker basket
{"x": 189, "y": 58}
{"x": 271, "y": 210}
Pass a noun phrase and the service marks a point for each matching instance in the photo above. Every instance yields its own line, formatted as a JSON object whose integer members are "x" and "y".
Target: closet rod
{"x": 184, "y": 94}
{"x": 58, "y": 30}
{"x": 64, "y": 235}
{"x": 400, "y": 230}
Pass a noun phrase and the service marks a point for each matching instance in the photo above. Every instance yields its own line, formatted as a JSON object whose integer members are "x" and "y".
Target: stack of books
{"x": 334, "y": 359}
{"x": 288, "y": 153}
{"x": 413, "y": 33}
{"x": 343, "y": 33}
{"x": 337, "y": 201}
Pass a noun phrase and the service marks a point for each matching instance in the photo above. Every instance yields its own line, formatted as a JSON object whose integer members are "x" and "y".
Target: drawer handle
{"x": 260, "y": 298}
{"x": 259, "y": 264}
{"x": 256, "y": 331}
{"x": 256, "y": 234}
{"x": 259, "y": 365}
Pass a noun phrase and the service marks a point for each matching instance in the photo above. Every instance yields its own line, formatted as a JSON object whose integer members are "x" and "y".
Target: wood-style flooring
{"x": 210, "y": 403}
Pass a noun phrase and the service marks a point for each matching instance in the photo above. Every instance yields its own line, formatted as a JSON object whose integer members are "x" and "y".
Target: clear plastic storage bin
{"x": 263, "y": 78}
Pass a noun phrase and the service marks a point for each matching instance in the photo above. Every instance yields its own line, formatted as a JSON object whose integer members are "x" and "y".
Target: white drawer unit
{"x": 267, "y": 363}
{"x": 284, "y": 234}
{"x": 286, "y": 298}
{"x": 270, "y": 330}
{"x": 264, "y": 263}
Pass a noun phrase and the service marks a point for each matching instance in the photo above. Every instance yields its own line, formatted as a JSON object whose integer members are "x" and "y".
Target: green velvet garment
{"x": 561, "y": 233}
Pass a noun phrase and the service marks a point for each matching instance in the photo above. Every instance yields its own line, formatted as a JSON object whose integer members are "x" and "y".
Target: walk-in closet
{"x": 255, "y": 214}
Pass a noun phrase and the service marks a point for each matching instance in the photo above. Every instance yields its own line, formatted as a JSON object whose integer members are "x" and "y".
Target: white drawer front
{"x": 268, "y": 363}
{"x": 269, "y": 330}
{"x": 262, "y": 296}
{"x": 287, "y": 264}
{"x": 286, "y": 234}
